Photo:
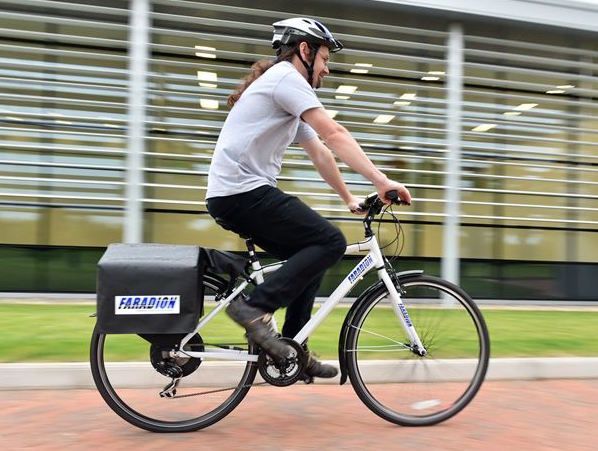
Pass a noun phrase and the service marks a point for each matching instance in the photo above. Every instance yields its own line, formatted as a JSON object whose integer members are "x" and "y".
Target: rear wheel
{"x": 388, "y": 374}
{"x": 130, "y": 372}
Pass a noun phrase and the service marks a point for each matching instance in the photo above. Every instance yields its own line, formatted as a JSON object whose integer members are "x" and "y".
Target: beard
{"x": 318, "y": 82}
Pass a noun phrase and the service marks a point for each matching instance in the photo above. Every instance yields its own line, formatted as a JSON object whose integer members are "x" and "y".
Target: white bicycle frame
{"x": 373, "y": 260}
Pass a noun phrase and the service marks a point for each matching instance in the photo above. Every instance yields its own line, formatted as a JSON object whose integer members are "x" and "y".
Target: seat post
{"x": 251, "y": 249}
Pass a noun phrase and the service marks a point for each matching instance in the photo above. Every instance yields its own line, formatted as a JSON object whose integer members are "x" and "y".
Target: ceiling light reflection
{"x": 483, "y": 127}
{"x": 384, "y": 118}
{"x": 346, "y": 89}
{"x": 525, "y": 106}
{"x": 208, "y": 104}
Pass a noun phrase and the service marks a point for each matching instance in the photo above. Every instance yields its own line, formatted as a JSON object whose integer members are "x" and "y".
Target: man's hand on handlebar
{"x": 392, "y": 196}
{"x": 355, "y": 206}
{"x": 389, "y": 185}
{"x": 388, "y": 191}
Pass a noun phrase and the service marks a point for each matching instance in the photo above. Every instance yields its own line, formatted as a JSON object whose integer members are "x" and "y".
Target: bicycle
{"x": 414, "y": 347}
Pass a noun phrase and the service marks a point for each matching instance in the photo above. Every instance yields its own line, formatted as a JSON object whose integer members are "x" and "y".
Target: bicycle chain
{"x": 215, "y": 391}
{"x": 219, "y": 390}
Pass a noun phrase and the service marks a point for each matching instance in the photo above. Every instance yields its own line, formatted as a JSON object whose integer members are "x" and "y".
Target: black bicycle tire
{"x": 144, "y": 422}
{"x": 408, "y": 420}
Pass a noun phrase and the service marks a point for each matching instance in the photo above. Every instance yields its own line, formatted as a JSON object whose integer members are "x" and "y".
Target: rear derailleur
{"x": 175, "y": 368}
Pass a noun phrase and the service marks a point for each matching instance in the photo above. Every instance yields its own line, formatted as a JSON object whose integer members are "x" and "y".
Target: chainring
{"x": 287, "y": 372}
{"x": 164, "y": 364}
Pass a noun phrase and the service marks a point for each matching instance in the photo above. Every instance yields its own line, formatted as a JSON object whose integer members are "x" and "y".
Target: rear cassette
{"x": 176, "y": 367}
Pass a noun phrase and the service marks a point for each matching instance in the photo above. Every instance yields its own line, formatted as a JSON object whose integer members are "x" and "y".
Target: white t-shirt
{"x": 258, "y": 130}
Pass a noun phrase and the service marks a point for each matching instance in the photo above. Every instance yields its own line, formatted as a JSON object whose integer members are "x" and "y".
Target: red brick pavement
{"x": 515, "y": 415}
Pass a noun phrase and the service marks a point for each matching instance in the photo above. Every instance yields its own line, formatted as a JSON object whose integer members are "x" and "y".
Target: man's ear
{"x": 304, "y": 50}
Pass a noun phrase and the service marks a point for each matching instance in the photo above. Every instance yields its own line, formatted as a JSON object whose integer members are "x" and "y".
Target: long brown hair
{"x": 257, "y": 70}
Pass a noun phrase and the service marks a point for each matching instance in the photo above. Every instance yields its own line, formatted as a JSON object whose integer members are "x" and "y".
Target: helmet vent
{"x": 319, "y": 25}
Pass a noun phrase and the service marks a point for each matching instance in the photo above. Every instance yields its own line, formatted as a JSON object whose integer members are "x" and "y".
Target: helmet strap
{"x": 309, "y": 67}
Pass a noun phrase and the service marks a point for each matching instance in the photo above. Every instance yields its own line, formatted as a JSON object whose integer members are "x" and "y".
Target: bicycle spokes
{"x": 407, "y": 387}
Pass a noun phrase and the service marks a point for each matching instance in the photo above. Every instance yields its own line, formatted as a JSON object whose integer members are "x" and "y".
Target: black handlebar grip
{"x": 393, "y": 196}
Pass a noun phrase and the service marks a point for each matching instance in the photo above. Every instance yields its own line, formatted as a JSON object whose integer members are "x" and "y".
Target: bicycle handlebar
{"x": 373, "y": 199}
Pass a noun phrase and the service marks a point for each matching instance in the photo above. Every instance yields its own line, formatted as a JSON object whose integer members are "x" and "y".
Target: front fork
{"x": 400, "y": 310}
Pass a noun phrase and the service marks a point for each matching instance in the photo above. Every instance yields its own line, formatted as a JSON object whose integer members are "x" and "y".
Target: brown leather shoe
{"x": 315, "y": 368}
{"x": 258, "y": 328}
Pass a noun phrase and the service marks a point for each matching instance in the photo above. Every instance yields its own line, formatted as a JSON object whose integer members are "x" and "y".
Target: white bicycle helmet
{"x": 291, "y": 31}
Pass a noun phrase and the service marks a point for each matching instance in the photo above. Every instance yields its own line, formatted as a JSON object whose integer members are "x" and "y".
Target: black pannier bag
{"x": 149, "y": 289}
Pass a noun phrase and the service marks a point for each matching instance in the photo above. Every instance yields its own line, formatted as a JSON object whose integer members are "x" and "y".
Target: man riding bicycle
{"x": 274, "y": 106}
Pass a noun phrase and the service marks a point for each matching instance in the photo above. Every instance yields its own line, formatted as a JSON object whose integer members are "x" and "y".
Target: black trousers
{"x": 289, "y": 230}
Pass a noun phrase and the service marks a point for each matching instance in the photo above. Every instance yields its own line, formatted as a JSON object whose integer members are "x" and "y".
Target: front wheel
{"x": 388, "y": 374}
{"x": 131, "y": 371}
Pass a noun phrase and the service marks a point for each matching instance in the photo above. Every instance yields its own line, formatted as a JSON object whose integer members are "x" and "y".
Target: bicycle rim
{"x": 399, "y": 385}
{"x": 130, "y": 384}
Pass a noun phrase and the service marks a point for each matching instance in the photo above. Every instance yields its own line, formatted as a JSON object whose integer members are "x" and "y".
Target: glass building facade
{"x": 526, "y": 214}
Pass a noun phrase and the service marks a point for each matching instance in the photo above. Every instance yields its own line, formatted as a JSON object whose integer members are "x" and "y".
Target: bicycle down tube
{"x": 373, "y": 260}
